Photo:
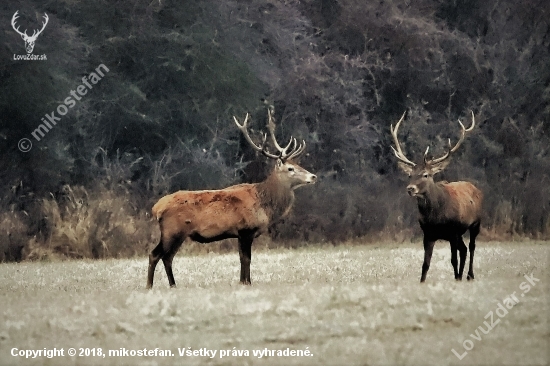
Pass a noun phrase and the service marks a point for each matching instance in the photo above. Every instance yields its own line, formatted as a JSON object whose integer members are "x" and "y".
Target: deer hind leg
{"x": 165, "y": 250}
{"x": 463, "y": 253}
{"x": 170, "y": 252}
{"x": 154, "y": 257}
{"x": 428, "y": 249}
{"x": 474, "y": 230}
{"x": 245, "y": 254}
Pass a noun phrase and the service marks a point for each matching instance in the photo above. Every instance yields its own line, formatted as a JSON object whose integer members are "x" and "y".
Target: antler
{"x": 36, "y": 33}
{"x": 453, "y": 149}
{"x": 261, "y": 148}
{"x": 399, "y": 153}
{"x": 295, "y": 150}
{"x": 13, "y": 20}
{"x": 290, "y": 151}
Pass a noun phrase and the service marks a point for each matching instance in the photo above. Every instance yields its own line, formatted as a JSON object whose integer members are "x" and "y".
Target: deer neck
{"x": 276, "y": 197}
{"x": 432, "y": 205}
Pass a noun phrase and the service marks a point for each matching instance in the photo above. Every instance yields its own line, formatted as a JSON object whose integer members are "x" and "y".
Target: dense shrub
{"x": 338, "y": 73}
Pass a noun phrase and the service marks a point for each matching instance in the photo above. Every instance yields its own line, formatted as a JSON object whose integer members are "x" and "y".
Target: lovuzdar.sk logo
{"x": 29, "y": 40}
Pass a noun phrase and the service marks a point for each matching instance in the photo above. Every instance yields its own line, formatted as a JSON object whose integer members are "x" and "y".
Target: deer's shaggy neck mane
{"x": 433, "y": 204}
{"x": 276, "y": 198}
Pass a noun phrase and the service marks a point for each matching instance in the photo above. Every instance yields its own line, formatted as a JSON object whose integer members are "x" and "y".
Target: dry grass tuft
{"x": 100, "y": 224}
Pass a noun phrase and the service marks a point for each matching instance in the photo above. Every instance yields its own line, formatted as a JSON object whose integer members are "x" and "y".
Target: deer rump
{"x": 208, "y": 216}
{"x": 466, "y": 201}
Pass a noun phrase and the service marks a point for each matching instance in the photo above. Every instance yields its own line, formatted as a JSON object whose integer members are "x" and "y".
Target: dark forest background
{"x": 338, "y": 74}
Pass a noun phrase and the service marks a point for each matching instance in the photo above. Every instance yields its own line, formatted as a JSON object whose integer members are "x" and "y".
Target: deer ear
{"x": 436, "y": 168}
{"x": 405, "y": 167}
{"x": 279, "y": 163}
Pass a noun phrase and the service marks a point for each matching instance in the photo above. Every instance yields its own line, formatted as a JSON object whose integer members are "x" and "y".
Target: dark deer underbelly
{"x": 443, "y": 231}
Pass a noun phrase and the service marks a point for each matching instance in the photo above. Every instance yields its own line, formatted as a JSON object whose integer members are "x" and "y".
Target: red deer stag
{"x": 243, "y": 211}
{"x": 447, "y": 210}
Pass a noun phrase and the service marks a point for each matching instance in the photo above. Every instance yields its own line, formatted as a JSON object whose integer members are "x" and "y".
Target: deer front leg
{"x": 245, "y": 255}
{"x": 428, "y": 249}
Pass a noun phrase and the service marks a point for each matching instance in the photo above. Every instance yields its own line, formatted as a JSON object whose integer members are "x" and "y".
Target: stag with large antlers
{"x": 447, "y": 210}
{"x": 29, "y": 40}
{"x": 243, "y": 211}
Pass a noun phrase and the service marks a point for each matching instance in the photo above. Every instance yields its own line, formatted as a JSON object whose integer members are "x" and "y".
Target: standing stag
{"x": 447, "y": 210}
{"x": 243, "y": 211}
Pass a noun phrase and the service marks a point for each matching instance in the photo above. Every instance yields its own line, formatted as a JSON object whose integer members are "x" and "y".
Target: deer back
{"x": 212, "y": 213}
{"x": 464, "y": 201}
{"x": 455, "y": 202}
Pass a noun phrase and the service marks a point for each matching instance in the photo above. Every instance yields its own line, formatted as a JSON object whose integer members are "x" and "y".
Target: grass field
{"x": 345, "y": 305}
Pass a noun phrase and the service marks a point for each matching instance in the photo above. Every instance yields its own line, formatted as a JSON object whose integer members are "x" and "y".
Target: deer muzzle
{"x": 311, "y": 179}
{"x": 412, "y": 190}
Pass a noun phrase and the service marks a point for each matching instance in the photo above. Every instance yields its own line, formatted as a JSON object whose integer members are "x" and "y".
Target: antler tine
{"x": 399, "y": 153}
{"x": 426, "y": 154}
{"x": 295, "y": 149}
{"x": 457, "y": 145}
{"x": 262, "y": 148}
{"x": 46, "y": 18}
{"x": 271, "y": 128}
{"x": 291, "y": 145}
{"x": 13, "y": 20}
{"x": 298, "y": 151}
{"x": 464, "y": 130}
{"x": 292, "y": 140}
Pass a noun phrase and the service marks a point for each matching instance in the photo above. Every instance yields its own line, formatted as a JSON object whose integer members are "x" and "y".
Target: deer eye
{"x": 290, "y": 169}
{"x": 425, "y": 175}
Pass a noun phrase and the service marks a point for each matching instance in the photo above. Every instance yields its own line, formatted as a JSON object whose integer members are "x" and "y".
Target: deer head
{"x": 286, "y": 169}
{"x": 29, "y": 40}
{"x": 421, "y": 175}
